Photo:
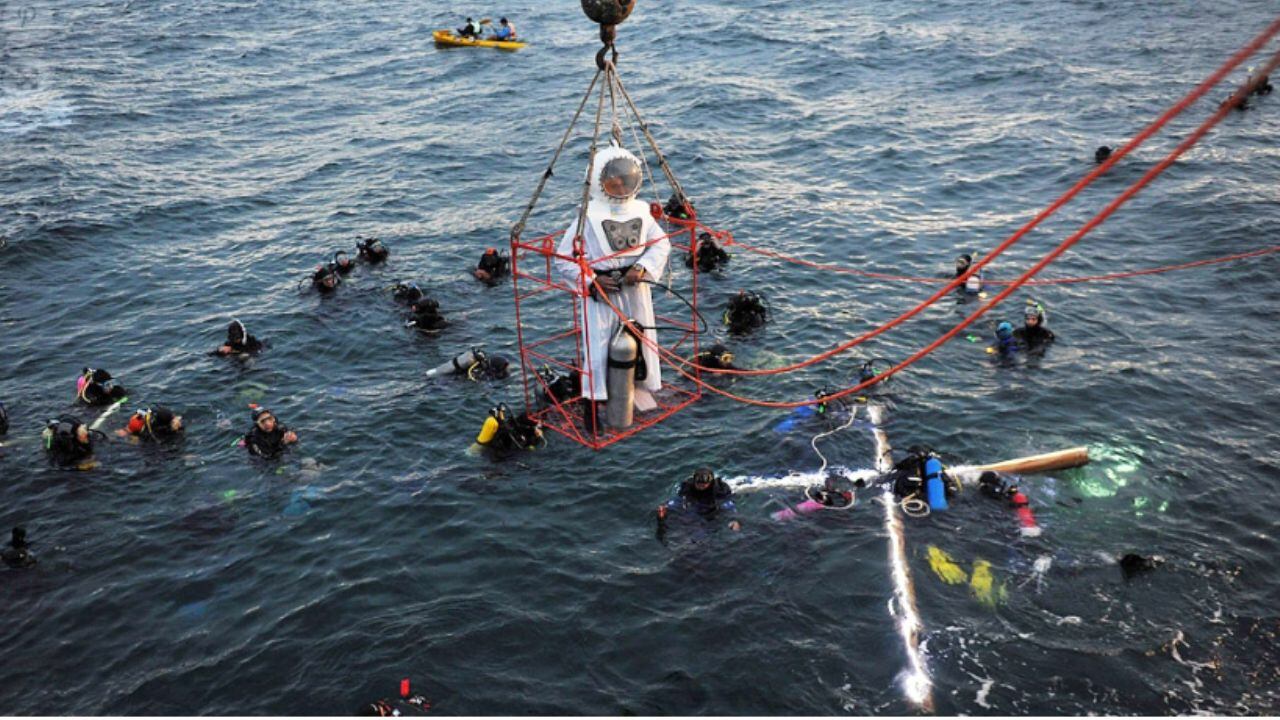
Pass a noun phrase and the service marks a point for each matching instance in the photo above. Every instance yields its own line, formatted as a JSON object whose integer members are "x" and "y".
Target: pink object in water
{"x": 806, "y": 507}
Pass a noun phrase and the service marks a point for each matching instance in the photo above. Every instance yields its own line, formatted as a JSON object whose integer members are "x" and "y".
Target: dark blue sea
{"x": 166, "y": 166}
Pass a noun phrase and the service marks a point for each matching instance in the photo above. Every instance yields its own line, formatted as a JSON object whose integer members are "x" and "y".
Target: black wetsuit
{"x": 64, "y": 447}
{"x": 716, "y": 497}
{"x": 1033, "y": 338}
{"x": 712, "y": 358}
{"x": 710, "y": 255}
{"x": 427, "y": 317}
{"x": 265, "y": 444}
{"x": 519, "y": 433}
{"x": 746, "y": 312}
{"x": 18, "y": 553}
{"x": 494, "y": 264}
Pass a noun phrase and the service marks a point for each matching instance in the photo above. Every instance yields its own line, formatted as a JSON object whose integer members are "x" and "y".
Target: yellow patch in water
{"x": 945, "y": 567}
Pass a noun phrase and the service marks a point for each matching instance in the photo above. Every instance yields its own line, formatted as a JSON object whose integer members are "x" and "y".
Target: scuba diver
{"x": 371, "y": 250}
{"x": 503, "y": 431}
{"x": 921, "y": 482}
{"x": 829, "y": 410}
{"x": 239, "y": 341}
{"x": 476, "y": 364}
{"x": 470, "y": 30}
{"x": 1006, "y": 346}
{"x": 678, "y": 209}
{"x": 97, "y": 387}
{"x": 1102, "y": 154}
{"x": 702, "y": 494}
{"x": 325, "y": 279}
{"x": 559, "y": 387}
{"x": 973, "y": 285}
{"x": 831, "y": 496}
{"x": 1033, "y": 336}
{"x": 1264, "y": 86}
{"x": 342, "y": 264}
{"x": 18, "y": 553}
{"x": 68, "y": 441}
{"x": 406, "y": 293}
{"x": 1005, "y": 487}
{"x": 746, "y": 312}
{"x": 492, "y": 266}
{"x": 155, "y": 423}
{"x": 267, "y": 438}
{"x": 426, "y": 316}
{"x": 716, "y": 357}
{"x": 711, "y": 257}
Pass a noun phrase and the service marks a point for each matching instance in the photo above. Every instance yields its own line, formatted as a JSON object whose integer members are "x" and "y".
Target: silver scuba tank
{"x": 459, "y": 364}
{"x": 620, "y": 380}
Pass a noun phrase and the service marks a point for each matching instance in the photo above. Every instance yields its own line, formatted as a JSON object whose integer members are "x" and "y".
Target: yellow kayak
{"x": 447, "y": 38}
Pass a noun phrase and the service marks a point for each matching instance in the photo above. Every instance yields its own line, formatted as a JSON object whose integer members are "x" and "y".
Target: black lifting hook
{"x": 607, "y": 35}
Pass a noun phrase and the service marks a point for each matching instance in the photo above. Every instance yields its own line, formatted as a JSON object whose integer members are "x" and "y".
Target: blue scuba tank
{"x": 934, "y": 488}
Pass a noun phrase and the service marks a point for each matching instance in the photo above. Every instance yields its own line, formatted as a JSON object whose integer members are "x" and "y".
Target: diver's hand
{"x": 290, "y": 436}
{"x": 224, "y": 350}
{"x": 734, "y": 525}
{"x": 482, "y": 275}
{"x": 635, "y": 275}
{"x": 608, "y": 283}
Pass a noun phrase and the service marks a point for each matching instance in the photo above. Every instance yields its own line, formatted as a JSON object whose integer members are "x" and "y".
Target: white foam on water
{"x": 23, "y": 111}
{"x": 795, "y": 479}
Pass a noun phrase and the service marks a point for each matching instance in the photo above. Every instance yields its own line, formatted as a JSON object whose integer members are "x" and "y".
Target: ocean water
{"x": 166, "y": 166}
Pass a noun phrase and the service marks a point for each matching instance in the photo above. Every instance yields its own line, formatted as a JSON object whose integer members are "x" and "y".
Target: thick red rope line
{"x": 1199, "y": 91}
{"x": 1053, "y": 255}
{"x": 1038, "y": 281}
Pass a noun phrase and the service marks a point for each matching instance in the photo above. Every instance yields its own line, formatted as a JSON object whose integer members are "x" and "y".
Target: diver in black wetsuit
{"x": 716, "y": 357}
{"x": 97, "y": 387}
{"x": 675, "y": 208}
{"x": 68, "y": 441}
{"x": 746, "y": 312}
{"x": 239, "y": 341}
{"x": 711, "y": 257}
{"x": 492, "y": 266}
{"x": 268, "y": 438}
{"x": 1033, "y": 336}
{"x": 703, "y": 494}
{"x": 158, "y": 423}
{"x": 325, "y": 279}
{"x": 371, "y": 250}
{"x": 18, "y": 553}
{"x": 426, "y": 316}
{"x": 342, "y": 264}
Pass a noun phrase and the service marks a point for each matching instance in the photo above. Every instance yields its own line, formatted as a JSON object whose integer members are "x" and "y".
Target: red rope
{"x": 1198, "y": 92}
{"x": 729, "y": 240}
{"x": 1013, "y": 286}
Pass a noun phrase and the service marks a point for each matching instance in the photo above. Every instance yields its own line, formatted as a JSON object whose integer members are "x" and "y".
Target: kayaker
{"x": 470, "y": 30}
{"x": 505, "y": 31}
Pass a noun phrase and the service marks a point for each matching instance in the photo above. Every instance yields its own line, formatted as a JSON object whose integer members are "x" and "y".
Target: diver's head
{"x": 19, "y": 538}
{"x": 1034, "y": 314}
{"x": 371, "y": 249}
{"x": 497, "y": 366}
{"x": 616, "y": 176}
{"x": 503, "y": 22}
{"x": 264, "y": 419}
{"x": 1004, "y": 330}
{"x": 236, "y": 333}
{"x": 163, "y": 419}
{"x": 703, "y": 478}
{"x": 963, "y": 263}
{"x": 425, "y": 306}
{"x": 1101, "y": 154}
{"x": 988, "y": 478}
{"x": 341, "y": 261}
{"x": 82, "y": 433}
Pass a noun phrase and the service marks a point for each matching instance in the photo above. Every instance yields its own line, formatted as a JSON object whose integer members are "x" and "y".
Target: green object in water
{"x": 971, "y": 338}
{"x": 229, "y": 495}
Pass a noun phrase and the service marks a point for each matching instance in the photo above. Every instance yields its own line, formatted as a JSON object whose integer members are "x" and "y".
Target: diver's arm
{"x": 654, "y": 257}
{"x": 568, "y": 269}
